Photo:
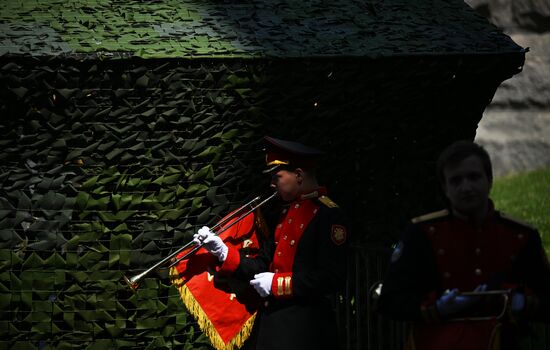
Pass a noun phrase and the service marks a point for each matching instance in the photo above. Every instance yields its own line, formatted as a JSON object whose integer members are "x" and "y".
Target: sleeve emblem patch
{"x": 338, "y": 234}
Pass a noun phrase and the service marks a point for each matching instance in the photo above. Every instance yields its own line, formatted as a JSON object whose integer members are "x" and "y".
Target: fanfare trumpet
{"x": 133, "y": 282}
{"x": 505, "y": 294}
{"x": 376, "y": 291}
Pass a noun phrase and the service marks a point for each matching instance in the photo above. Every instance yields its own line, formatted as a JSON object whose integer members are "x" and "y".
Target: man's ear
{"x": 299, "y": 173}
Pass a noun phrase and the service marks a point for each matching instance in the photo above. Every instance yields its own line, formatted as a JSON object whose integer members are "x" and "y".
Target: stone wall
{"x": 515, "y": 127}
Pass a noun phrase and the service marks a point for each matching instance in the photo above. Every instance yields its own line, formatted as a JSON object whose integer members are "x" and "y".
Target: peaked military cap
{"x": 283, "y": 153}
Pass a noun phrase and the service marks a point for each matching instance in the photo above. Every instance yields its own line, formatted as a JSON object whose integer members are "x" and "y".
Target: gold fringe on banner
{"x": 204, "y": 322}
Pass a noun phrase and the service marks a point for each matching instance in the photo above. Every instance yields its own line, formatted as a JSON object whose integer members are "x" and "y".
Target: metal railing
{"x": 360, "y": 326}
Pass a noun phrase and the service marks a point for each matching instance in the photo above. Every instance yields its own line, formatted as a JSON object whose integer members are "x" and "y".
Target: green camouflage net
{"x": 275, "y": 28}
{"x": 93, "y": 187}
{"x": 107, "y": 166}
{"x": 126, "y": 125}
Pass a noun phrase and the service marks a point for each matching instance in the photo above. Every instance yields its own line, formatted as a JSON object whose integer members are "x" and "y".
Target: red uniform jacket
{"x": 441, "y": 252}
{"x": 308, "y": 254}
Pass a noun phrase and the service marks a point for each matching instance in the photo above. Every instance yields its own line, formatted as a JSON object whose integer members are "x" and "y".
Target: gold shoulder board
{"x": 516, "y": 221}
{"x": 328, "y": 202}
{"x": 430, "y": 216}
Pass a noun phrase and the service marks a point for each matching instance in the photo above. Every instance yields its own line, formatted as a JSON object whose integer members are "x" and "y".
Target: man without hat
{"x": 455, "y": 271}
{"x": 302, "y": 265}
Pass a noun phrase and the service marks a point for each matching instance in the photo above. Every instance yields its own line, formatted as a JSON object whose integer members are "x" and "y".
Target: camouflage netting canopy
{"x": 125, "y": 125}
{"x": 216, "y": 28}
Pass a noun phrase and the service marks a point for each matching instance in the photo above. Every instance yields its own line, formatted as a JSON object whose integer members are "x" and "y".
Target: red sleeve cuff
{"x": 281, "y": 286}
{"x": 231, "y": 261}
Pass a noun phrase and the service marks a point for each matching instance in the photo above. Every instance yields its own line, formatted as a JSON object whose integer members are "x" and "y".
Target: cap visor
{"x": 272, "y": 169}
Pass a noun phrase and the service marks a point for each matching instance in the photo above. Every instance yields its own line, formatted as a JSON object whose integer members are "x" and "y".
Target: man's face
{"x": 287, "y": 184}
{"x": 467, "y": 186}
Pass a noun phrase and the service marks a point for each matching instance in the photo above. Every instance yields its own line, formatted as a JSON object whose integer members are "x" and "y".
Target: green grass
{"x": 526, "y": 196}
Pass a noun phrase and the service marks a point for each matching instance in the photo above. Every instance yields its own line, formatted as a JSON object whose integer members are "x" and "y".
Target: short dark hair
{"x": 457, "y": 152}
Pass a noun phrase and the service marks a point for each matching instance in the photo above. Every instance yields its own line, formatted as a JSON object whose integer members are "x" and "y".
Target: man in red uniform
{"x": 302, "y": 266}
{"x": 468, "y": 247}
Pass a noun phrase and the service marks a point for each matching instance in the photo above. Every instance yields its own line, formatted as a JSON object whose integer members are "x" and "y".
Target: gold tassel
{"x": 204, "y": 323}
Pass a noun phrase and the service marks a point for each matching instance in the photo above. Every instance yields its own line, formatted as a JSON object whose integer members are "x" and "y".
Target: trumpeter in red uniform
{"x": 468, "y": 247}
{"x": 302, "y": 266}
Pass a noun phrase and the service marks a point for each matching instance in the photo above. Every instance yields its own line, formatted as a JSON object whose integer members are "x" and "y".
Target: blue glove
{"x": 518, "y": 302}
{"x": 452, "y": 302}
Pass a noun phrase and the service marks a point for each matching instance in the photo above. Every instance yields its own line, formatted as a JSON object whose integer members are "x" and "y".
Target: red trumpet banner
{"x": 224, "y": 307}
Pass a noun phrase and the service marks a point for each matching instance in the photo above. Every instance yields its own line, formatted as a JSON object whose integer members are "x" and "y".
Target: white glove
{"x": 211, "y": 242}
{"x": 201, "y": 235}
{"x": 262, "y": 283}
